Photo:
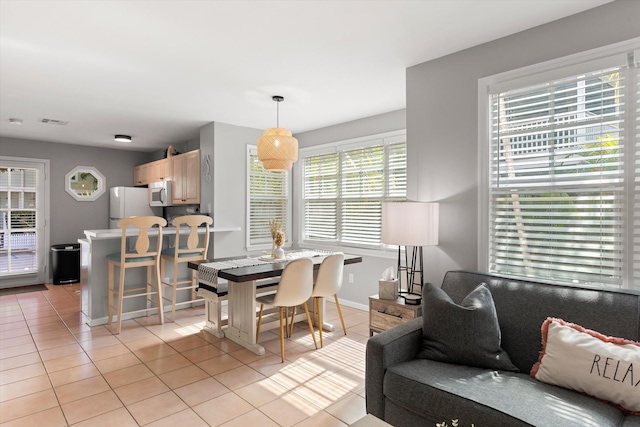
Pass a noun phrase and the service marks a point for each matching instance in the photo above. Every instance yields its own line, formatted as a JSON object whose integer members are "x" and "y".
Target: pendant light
{"x": 277, "y": 148}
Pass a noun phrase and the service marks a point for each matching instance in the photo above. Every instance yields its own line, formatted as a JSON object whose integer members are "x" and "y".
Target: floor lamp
{"x": 410, "y": 224}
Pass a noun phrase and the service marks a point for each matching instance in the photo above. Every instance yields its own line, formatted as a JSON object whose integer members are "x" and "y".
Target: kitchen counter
{"x": 116, "y": 233}
{"x": 100, "y": 243}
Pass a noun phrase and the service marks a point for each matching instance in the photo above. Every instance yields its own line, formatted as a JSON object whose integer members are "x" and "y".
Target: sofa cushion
{"x": 466, "y": 334}
{"x": 591, "y": 363}
{"x": 441, "y": 391}
{"x": 523, "y": 306}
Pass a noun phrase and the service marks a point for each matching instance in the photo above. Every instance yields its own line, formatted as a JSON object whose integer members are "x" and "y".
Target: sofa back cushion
{"x": 523, "y": 306}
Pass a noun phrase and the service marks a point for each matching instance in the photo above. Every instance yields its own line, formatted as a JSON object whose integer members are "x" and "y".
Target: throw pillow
{"x": 465, "y": 334}
{"x": 586, "y": 361}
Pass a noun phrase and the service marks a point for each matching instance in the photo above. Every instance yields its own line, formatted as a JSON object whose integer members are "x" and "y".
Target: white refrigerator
{"x": 129, "y": 201}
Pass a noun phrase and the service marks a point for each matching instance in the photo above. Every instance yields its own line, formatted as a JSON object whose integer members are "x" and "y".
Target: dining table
{"x": 243, "y": 284}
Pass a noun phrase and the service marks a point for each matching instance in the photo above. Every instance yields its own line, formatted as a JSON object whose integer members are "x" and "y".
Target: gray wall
{"x": 69, "y": 218}
{"x": 442, "y": 128}
{"x": 230, "y": 186}
{"x": 367, "y": 273}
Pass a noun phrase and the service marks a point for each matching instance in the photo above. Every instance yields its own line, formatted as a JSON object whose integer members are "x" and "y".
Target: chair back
{"x": 296, "y": 283}
{"x": 192, "y": 251}
{"x": 329, "y": 278}
{"x": 142, "y": 246}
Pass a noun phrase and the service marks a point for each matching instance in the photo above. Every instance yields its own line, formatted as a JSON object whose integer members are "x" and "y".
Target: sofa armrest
{"x": 396, "y": 345}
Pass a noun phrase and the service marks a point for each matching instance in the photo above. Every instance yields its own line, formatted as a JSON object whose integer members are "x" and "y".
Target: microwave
{"x": 160, "y": 193}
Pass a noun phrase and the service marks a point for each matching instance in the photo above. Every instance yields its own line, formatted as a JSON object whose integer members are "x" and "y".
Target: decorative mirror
{"x": 85, "y": 183}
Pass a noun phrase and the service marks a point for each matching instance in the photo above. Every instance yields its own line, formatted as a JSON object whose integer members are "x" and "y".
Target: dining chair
{"x": 141, "y": 254}
{"x": 328, "y": 283}
{"x": 295, "y": 287}
{"x": 192, "y": 250}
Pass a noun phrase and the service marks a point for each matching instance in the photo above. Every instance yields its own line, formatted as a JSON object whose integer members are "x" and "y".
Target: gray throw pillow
{"x": 465, "y": 334}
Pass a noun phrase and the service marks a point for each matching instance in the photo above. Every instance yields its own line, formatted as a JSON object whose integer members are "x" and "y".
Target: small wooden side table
{"x": 387, "y": 313}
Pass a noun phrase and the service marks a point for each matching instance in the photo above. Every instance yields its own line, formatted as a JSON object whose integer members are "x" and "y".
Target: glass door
{"x": 22, "y": 223}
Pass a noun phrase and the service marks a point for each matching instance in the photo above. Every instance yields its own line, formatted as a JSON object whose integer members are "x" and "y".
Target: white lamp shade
{"x": 410, "y": 223}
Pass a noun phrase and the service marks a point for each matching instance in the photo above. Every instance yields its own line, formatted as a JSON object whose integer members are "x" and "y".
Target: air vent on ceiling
{"x": 54, "y": 122}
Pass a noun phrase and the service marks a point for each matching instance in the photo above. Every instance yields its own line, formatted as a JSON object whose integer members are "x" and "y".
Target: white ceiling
{"x": 159, "y": 70}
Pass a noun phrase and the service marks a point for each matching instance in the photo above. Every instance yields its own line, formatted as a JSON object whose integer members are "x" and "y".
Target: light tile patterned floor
{"x": 57, "y": 371}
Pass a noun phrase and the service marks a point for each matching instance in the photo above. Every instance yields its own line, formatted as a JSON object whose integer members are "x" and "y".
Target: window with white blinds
{"x": 561, "y": 177}
{"x": 268, "y": 199}
{"x": 343, "y": 191}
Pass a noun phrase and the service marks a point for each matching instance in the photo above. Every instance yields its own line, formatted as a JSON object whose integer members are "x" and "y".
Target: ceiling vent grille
{"x": 54, "y": 122}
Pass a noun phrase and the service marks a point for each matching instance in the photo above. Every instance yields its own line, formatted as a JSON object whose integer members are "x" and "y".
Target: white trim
{"x": 43, "y": 274}
{"x": 560, "y": 67}
{"x": 600, "y": 58}
{"x": 385, "y": 138}
{"x": 253, "y": 149}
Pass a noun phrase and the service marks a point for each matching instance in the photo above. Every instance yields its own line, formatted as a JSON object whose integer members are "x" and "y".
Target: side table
{"x": 386, "y": 313}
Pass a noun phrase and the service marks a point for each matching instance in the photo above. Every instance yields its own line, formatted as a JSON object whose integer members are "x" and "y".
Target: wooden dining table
{"x": 243, "y": 283}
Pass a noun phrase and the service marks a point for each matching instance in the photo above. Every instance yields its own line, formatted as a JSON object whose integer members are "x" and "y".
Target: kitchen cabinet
{"x": 186, "y": 178}
{"x": 140, "y": 175}
{"x": 160, "y": 170}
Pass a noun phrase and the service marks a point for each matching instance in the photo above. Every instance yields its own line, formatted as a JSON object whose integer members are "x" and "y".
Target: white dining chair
{"x": 295, "y": 287}
{"x": 328, "y": 283}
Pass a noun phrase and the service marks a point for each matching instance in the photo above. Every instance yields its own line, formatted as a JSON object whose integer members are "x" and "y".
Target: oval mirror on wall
{"x": 85, "y": 183}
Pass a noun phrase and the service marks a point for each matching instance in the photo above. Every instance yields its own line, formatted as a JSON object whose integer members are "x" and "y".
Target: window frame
{"x": 43, "y": 201}
{"x": 262, "y": 245}
{"x": 576, "y": 64}
{"x": 385, "y": 139}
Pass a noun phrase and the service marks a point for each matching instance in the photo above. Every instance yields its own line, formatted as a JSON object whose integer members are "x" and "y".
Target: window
{"x": 560, "y": 175}
{"x": 23, "y": 236}
{"x": 268, "y": 199}
{"x": 344, "y": 186}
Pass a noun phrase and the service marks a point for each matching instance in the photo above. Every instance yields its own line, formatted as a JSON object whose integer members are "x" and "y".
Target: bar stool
{"x": 296, "y": 284}
{"x": 328, "y": 283}
{"x": 141, "y": 256}
{"x": 185, "y": 253}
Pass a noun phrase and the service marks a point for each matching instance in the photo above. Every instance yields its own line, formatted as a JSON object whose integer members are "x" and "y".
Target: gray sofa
{"x": 406, "y": 391}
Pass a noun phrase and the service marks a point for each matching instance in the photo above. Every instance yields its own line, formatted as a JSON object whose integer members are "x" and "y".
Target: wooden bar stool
{"x": 191, "y": 251}
{"x": 296, "y": 284}
{"x": 141, "y": 256}
{"x": 328, "y": 283}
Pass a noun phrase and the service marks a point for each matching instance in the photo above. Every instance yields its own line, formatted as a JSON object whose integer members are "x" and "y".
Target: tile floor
{"x": 57, "y": 371}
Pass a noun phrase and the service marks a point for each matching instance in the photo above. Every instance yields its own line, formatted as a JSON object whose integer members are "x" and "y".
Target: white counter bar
{"x": 95, "y": 248}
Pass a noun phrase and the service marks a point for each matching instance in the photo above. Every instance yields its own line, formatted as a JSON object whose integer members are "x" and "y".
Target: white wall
{"x": 442, "y": 128}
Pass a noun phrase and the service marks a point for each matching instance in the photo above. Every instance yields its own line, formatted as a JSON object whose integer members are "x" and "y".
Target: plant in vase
{"x": 275, "y": 225}
{"x": 278, "y": 253}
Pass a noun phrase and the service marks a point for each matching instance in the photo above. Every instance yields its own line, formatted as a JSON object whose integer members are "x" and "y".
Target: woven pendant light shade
{"x": 277, "y": 149}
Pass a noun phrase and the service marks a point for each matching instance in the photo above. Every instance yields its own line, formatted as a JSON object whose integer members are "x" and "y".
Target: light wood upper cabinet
{"x": 140, "y": 175}
{"x": 186, "y": 178}
{"x": 160, "y": 170}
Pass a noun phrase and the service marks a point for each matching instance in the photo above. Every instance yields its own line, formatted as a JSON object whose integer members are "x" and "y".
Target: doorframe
{"x": 43, "y": 275}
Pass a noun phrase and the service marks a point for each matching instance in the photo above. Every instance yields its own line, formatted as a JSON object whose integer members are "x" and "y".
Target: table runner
{"x": 208, "y": 271}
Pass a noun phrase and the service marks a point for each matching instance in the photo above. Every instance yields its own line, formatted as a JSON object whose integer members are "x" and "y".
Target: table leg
{"x": 241, "y": 327}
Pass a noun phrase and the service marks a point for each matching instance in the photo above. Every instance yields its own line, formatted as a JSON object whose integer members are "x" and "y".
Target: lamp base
{"x": 412, "y": 299}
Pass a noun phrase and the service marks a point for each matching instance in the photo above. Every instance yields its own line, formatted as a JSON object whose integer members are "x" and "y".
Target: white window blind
{"x": 18, "y": 219}
{"x": 268, "y": 200}
{"x": 558, "y": 178}
{"x": 343, "y": 192}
